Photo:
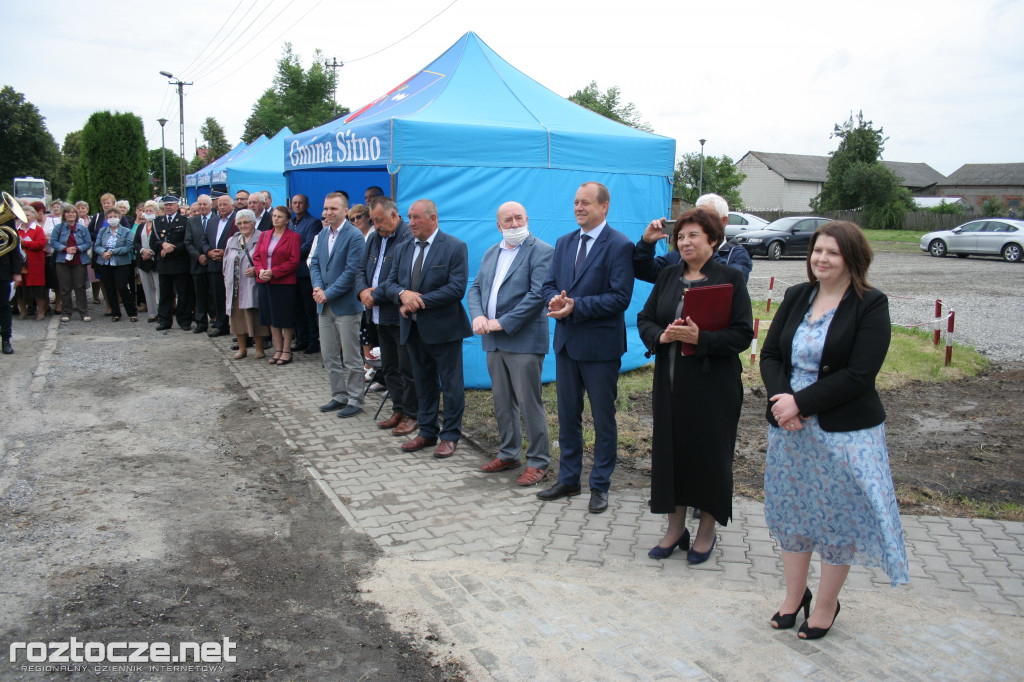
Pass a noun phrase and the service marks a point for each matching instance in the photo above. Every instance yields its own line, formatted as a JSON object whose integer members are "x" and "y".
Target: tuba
{"x": 10, "y": 210}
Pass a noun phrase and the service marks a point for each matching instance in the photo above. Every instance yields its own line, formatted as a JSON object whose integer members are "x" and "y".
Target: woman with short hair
{"x": 71, "y": 242}
{"x": 33, "y": 281}
{"x": 276, "y": 260}
{"x": 113, "y": 253}
{"x": 239, "y": 272}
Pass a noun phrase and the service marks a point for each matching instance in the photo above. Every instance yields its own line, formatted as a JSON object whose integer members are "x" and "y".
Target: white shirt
{"x": 506, "y": 257}
{"x": 593, "y": 234}
{"x": 376, "y": 273}
{"x": 222, "y": 223}
{"x": 426, "y": 250}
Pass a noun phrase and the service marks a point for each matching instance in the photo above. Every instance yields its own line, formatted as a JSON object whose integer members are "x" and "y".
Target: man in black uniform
{"x": 173, "y": 266}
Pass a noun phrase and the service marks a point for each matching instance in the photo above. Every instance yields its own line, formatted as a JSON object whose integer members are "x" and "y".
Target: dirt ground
{"x": 144, "y": 497}
{"x": 955, "y": 447}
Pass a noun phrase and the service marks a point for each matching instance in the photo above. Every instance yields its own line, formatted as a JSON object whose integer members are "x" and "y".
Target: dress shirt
{"x": 506, "y": 256}
{"x": 376, "y": 274}
{"x": 221, "y": 224}
{"x": 426, "y": 250}
{"x": 593, "y": 234}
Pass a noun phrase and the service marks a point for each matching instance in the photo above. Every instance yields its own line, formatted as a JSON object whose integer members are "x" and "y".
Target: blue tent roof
{"x": 469, "y": 107}
{"x": 203, "y": 176}
{"x": 261, "y": 168}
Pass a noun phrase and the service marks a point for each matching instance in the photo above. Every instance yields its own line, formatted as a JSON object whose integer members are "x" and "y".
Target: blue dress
{"x": 831, "y": 491}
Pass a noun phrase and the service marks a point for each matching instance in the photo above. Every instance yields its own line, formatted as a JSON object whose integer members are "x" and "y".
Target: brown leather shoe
{"x": 445, "y": 450}
{"x": 418, "y": 443}
{"x": 391, "y": 422}
{"x": 532, "y": 476}
{"x": 498, "y": 464}
{"x": 407, "y": 426}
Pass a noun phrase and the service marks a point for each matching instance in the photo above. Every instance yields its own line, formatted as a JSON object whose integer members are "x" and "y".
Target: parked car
{"x": 988, "y": 237}
{"x": 743, "y": 222}
{"x": 784, "y": 237}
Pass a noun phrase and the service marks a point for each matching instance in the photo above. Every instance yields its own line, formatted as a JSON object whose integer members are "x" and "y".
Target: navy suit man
{"x": 507, "y": 304}
{"x": 396, "y": 365}
{"x": 428, "y": 282}
{"x": 647, "y": 266}
{"x": 199, "y": 262}
{"x": 307, "y": 329}
{"x": 588, "y": 290}
{"x": 219, "y": 229}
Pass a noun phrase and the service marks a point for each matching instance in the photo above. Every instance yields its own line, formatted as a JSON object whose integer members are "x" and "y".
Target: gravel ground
{"x": 985, "y": 293}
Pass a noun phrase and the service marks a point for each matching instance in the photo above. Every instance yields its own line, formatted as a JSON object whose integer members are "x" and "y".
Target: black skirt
{"x": 276, "y": 304}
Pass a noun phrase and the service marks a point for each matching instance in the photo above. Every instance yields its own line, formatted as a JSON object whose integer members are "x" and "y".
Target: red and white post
{"x": 753, "y": 346}
{"x": 938, "y": 320}
{"x": 771, "y": 285}
{"x": 949, "y": 338}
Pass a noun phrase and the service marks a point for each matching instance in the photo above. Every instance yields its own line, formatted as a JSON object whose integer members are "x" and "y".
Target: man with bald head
{"x": 508, "y": 309}
{"x": 427, "y": 282}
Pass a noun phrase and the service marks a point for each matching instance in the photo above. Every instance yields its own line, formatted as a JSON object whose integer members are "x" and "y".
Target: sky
{"x": 944, "y": 80}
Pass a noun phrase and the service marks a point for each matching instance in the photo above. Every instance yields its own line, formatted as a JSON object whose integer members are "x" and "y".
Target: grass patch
{"x": 911, "y": 357}
{"x": 895, "y": 241}
{"x": 930, "y": 501}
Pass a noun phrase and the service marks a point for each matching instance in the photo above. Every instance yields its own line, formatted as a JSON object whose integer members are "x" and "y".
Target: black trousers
{"x": 204, "y": 299}
{"x": 307, "y": 323}
{"x": 117, "y": 281}
{"x": 217, "y": 295}
{"x": 176, "y": 286}
{"x": 397, "y": 368}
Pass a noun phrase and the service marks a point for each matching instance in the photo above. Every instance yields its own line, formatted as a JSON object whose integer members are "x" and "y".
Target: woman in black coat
{"x": 697, "y": 398}
{"x": 827, "y": 483}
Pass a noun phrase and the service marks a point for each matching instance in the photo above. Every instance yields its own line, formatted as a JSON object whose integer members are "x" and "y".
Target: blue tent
{"x": 259, "y": 168}
{"x": 201, "y": 182}
{"x": 470, "y": 132}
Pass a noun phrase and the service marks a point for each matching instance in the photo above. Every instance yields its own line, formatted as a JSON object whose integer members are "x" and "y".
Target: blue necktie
{"x": 582, "y": 255}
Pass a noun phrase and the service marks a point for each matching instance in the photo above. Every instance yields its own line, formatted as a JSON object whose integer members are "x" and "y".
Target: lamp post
{"x": 181, "y": 119}
{"x": 700, "y": 184}
{"x": 163, "y": 152}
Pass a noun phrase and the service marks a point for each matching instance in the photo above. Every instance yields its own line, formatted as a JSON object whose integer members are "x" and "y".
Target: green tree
{"x": 68, "y": 168}
{"x": 720, "y": 177}
{"x": 609, "y": 104}
{"x": 993, "y": 208}
{"x": 156, "y": 169}
{"x": 955, "y": 208}
{"x": 197, "y": 164}
{"x": 26, "y": 147}
{"x": 857, "y": 179}
{"x": 216, "y": 140}
{"x": 114, "y": 158}
{"x": 299, "y": 99}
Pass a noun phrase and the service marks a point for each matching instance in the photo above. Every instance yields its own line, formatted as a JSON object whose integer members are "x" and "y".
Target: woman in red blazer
{"x": 33, "y": 283}
{"x": 276, "y": 259}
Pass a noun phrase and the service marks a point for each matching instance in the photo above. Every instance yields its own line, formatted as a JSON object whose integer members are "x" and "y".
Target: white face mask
{"x": 149, "y": 216}
{"x": 515, "y": 236}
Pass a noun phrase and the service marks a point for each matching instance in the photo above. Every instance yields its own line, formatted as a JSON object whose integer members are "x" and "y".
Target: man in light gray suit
{"x": 509, "y": 311}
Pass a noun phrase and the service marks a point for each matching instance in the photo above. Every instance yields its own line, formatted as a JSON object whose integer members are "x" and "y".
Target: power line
{"x": 408, "y": 36}
{"x": 211, "y": 66}
{"x": 269, "y": 44}
{"x": 214, "y": 36}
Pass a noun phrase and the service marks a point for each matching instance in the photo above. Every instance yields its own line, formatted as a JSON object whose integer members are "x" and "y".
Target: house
{"x": 788, "y": 182}
{"x": 976, "y": 182}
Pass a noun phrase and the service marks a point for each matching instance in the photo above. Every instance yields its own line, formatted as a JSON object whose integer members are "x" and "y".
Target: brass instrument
{"x": 10, "y": 210}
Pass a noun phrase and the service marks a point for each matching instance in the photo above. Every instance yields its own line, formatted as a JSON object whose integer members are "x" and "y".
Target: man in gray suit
{"x": 509, "y": 311}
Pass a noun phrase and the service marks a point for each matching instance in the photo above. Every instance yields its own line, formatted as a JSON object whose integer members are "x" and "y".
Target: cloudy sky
{"x": 944, "y": 79}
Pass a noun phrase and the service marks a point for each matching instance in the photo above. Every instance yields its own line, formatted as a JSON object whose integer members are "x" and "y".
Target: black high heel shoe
{"x": 785, "y": 622}
{"x": 817, "y": 633}
{"x": 660, "y": 552}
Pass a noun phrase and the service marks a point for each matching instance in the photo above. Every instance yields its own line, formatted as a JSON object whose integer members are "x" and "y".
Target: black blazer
{"x": 388, "y": 310}
{"x": 844, "y": 396}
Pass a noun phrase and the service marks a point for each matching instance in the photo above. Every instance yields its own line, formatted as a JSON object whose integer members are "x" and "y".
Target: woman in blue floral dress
{"x": 827, "y": 483}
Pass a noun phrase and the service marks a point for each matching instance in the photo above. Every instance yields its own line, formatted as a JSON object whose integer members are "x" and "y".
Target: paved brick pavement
{"x": 548, "y": 591}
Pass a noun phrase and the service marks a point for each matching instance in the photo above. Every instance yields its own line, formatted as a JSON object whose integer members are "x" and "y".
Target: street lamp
{"x": 181, "y": 119}
{"x": 700, "y": 185}
{"x": 163, "y": 151}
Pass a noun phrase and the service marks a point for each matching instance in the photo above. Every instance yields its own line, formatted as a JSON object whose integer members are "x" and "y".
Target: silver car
{"x": 741, "y": 222}
{"x": 987, "y": 237}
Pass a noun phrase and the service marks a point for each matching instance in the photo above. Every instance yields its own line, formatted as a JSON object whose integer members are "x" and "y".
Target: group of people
{"x": 362, "y": 276}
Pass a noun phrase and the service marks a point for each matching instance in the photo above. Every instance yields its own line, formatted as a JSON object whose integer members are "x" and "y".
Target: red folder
{"x": 709, "y": 307}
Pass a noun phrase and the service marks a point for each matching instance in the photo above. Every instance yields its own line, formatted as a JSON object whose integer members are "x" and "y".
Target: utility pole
{"x": 181, "y": 118}
{"x": 334, "y": 64}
